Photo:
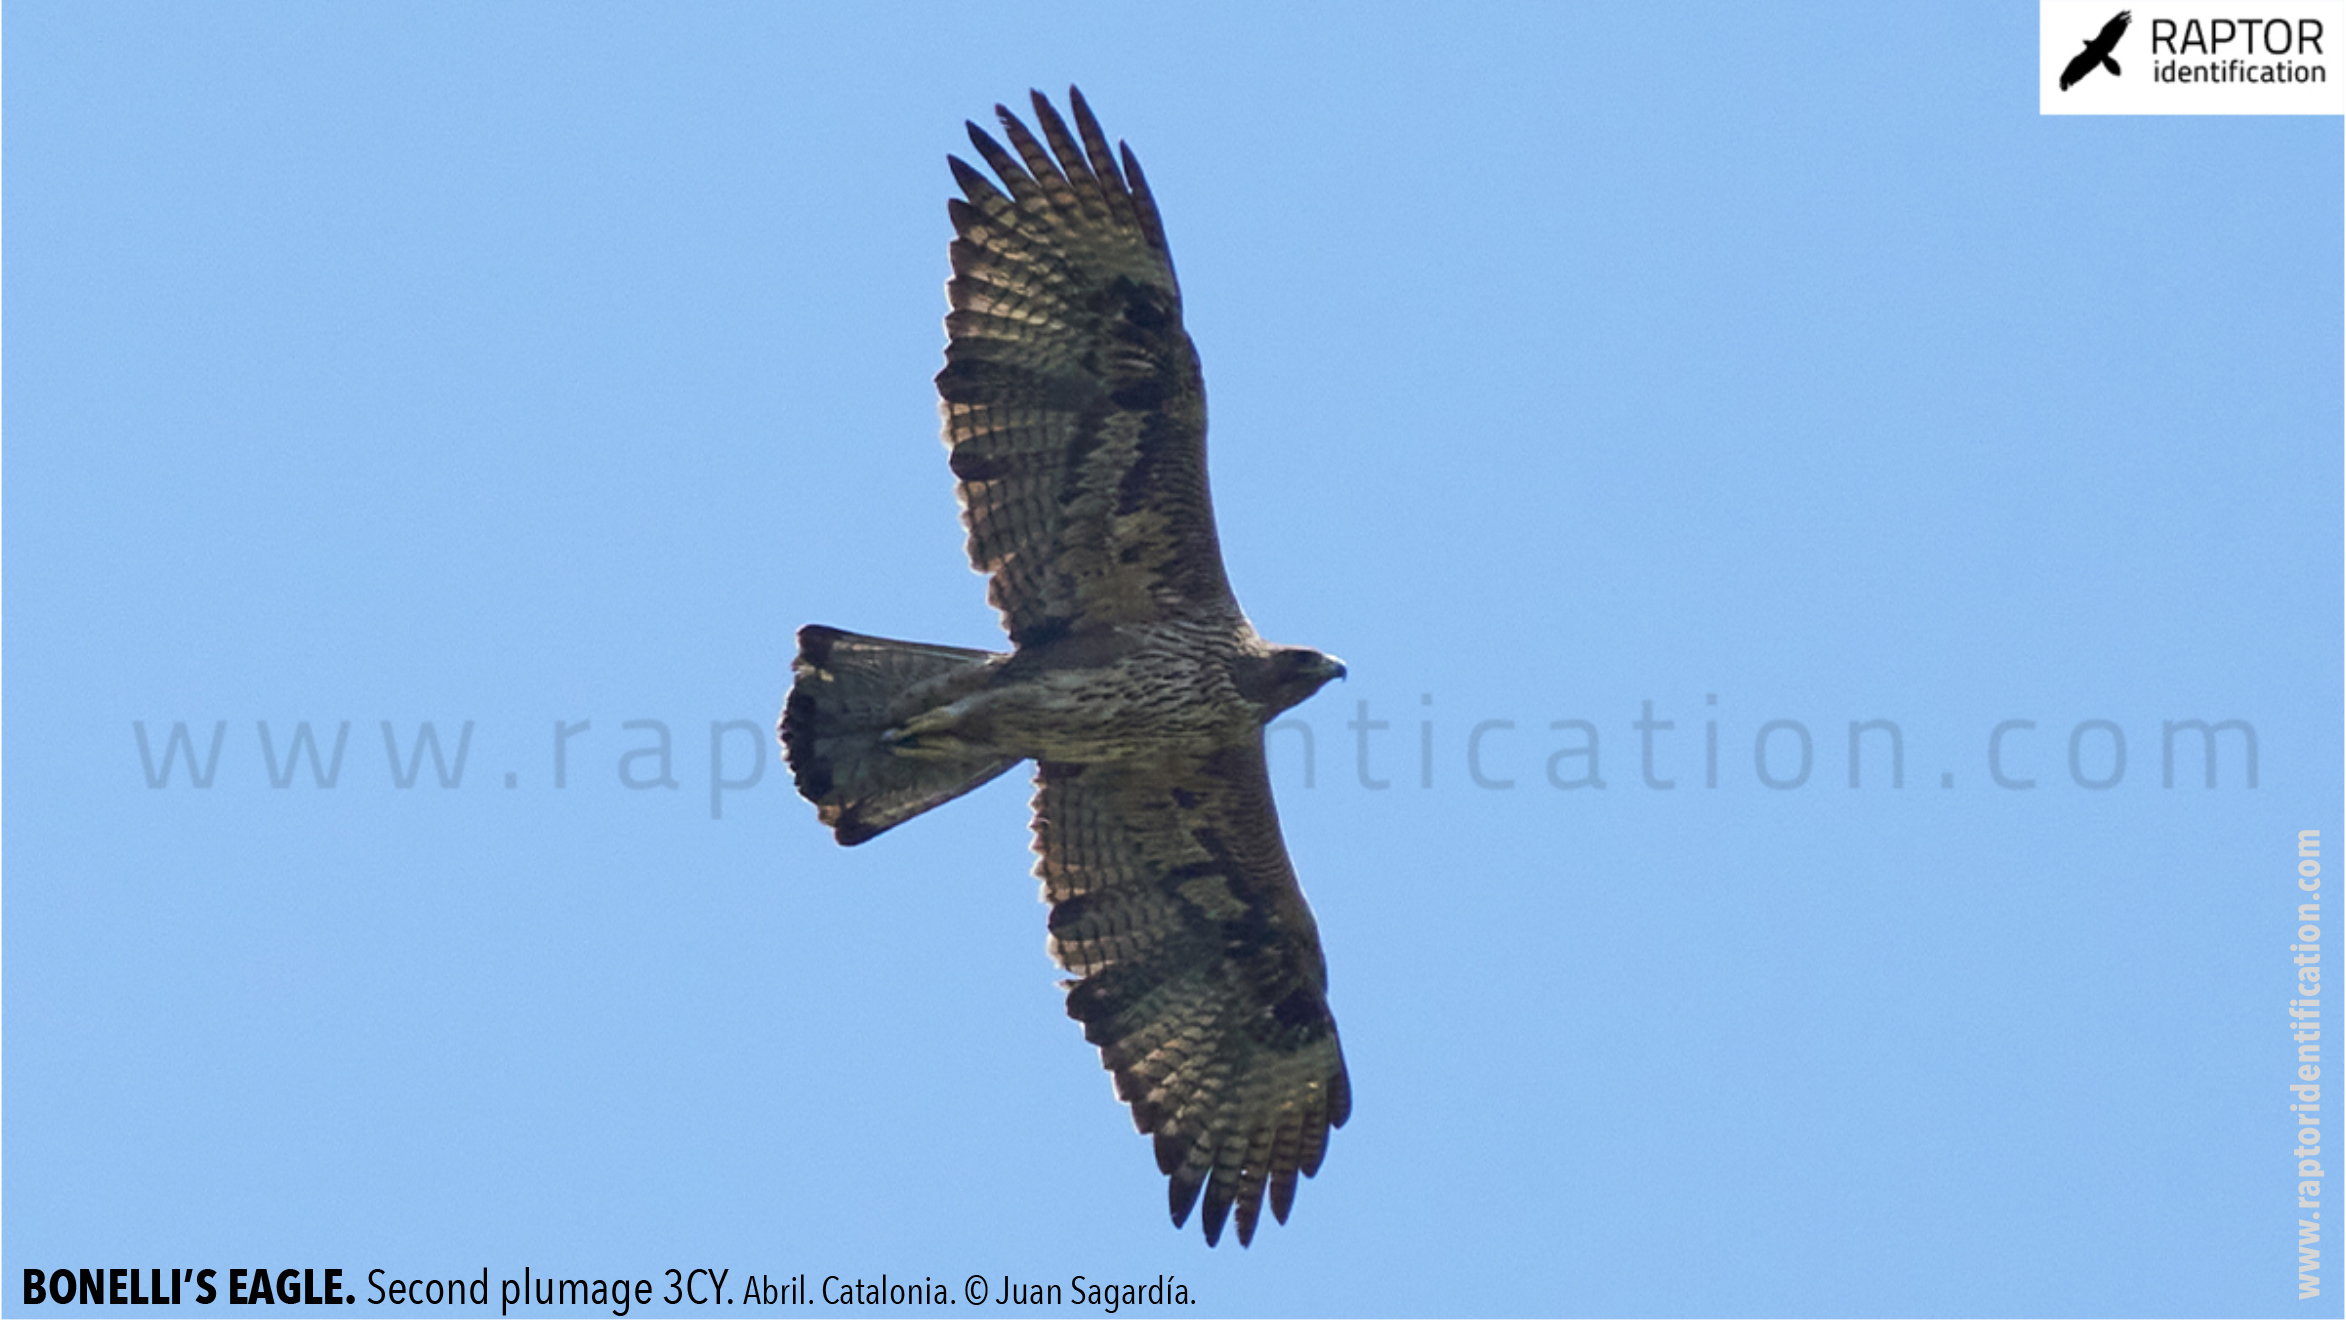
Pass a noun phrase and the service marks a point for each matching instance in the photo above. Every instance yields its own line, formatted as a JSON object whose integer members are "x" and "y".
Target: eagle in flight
{"x": 2097, "y": 51}
{"x": 1075, "y": 418}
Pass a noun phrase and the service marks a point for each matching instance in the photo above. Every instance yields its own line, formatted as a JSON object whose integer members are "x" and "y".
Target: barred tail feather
{"x": 849, "y": 691}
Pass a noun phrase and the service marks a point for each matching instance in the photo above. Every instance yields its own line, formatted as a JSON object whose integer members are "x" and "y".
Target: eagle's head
{"x": 1288, "y": 674}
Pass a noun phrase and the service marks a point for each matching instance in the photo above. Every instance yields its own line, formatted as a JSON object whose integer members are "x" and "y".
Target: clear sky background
{"x": 525, "y": 366}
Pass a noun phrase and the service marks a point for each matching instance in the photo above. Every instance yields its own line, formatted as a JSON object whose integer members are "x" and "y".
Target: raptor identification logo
{"x": 2191, "y": 57}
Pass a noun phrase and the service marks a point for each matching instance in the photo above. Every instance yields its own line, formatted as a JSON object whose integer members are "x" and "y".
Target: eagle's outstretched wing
{"x": 1202, "y": 980}
{"x": 1072, "y": 400}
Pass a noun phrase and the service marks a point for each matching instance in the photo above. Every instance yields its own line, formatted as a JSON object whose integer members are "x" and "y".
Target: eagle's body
{"x": 1132, "y": 691}
{"x": 1075, "y": 415}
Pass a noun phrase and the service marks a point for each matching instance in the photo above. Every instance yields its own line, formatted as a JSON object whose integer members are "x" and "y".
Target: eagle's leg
{"x": 936, "y": 734}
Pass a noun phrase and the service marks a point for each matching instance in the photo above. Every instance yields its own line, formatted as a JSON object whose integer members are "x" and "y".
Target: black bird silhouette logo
{"x": 2097, "y": 51}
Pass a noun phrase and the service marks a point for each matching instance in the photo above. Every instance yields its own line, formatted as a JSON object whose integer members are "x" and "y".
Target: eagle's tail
{"x": 850, "y": 691}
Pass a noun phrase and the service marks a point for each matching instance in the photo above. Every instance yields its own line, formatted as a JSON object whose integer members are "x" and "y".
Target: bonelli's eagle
{"x": 1076, "y": 421}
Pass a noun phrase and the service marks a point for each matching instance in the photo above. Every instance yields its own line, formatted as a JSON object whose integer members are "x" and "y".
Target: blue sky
{"x": 517, "y": 367}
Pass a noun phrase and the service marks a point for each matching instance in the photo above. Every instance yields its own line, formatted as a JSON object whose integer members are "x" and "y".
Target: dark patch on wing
{"x": 970, "y": 465}
{"x": 1302, "y": 1009}
{"x": 1046, "y": 630}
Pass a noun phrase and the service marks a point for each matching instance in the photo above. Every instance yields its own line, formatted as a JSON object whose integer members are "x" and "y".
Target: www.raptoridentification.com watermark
{"x": 2305, "y": 1089}
{"x": 1649, "y": 751}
